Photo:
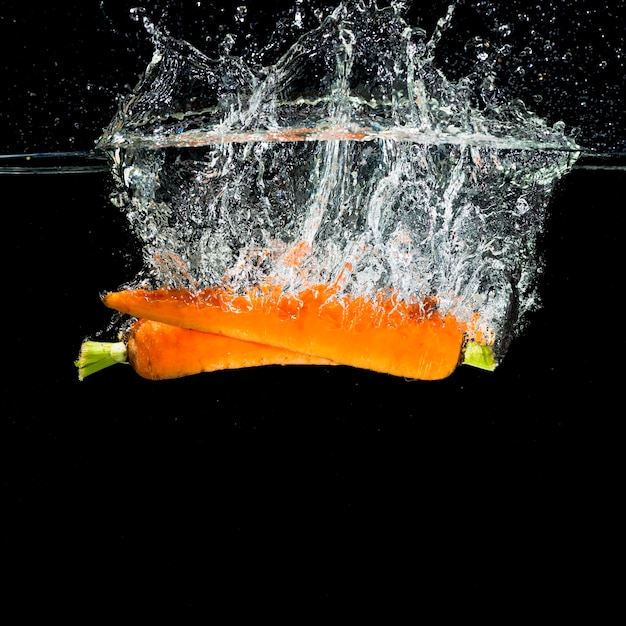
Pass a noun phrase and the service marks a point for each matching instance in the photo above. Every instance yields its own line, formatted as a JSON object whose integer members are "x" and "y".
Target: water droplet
{"x": 240, "y": 13}
{"x": 226, "y": 45}
{"x": 505, "y": 50}
{"x": 139, "y": 14}
{"x": 297, "y": 19}
{"x": 136, "y": 13}
{"x": 505, "y": 30}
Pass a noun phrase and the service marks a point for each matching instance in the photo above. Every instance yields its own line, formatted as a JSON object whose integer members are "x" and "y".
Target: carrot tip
{"x": 478, "y": 355}
{"x": 97, "y": 355}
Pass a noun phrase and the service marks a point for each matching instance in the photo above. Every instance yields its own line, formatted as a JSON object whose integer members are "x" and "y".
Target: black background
{"x": 293, "y": 490}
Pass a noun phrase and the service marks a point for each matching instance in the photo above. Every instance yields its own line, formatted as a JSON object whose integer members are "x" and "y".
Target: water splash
{"x": 352, "y": 160}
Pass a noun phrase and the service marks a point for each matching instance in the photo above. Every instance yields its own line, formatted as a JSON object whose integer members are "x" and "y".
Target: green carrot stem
{"x": 478, "y": 355}
{"x": 96, "y": 355}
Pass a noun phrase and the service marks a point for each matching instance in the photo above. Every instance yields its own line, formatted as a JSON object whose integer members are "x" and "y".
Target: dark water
{"x": 301, "y": 489}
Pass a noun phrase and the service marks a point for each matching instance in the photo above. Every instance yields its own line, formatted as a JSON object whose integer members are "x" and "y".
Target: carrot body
{"x": 383, "y": 334}
{"x": 159, "y": 351}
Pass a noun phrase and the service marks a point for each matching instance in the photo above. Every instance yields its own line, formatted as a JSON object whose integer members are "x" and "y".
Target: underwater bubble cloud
{"x": 352, "y": 162}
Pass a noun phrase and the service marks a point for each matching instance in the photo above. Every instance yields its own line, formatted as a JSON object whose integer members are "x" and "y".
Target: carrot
{"x": 383, "y": 334}
{"x": 160, "y": 351}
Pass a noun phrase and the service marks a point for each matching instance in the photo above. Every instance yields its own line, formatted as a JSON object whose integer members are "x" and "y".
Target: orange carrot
{"x": 383, "y": 334}
{"x": 158, "y": 351}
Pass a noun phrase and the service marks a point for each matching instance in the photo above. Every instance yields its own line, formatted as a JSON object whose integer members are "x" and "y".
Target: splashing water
{"x": 351, "y": 160}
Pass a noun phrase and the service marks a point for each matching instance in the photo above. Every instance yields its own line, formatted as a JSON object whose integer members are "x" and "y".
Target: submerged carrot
{"x": 160, "y": 351}
{"x": 384, "y": 334}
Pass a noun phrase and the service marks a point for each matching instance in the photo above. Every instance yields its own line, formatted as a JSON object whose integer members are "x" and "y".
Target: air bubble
{"x": 505, "y": 30}
{"x": 479, "y": 48}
